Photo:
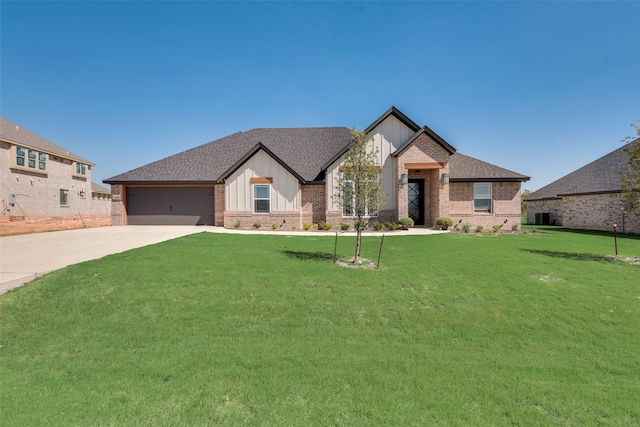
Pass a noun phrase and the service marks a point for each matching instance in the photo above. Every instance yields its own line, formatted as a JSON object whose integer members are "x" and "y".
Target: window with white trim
{"x": 482, "y": 197}
{"x": 261, "y": 198}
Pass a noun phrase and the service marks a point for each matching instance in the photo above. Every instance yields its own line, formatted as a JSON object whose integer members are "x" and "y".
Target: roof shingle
{"x": 464, "y": 168}
{"x": 15, "y": 134}
{"x": 600, "y": 176}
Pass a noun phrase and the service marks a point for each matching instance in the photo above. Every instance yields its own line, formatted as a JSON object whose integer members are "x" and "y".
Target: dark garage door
{"x": 170, "y": 206}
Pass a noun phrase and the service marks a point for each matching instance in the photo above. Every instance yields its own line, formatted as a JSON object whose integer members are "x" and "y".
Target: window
{"x": 81, "y": 168}
{"x": 64, "y": 197}
{"x": 261, "y": 198}
{"x": 31, "y": 158}
{"x": 482, "y": 198}
{"x": 20, "y": 155}
{"x": 42, "y": 161}
{"x": 349, "y": 201}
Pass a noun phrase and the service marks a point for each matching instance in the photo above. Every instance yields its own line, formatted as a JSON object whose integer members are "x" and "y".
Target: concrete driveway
{"x": 27, "y": 256}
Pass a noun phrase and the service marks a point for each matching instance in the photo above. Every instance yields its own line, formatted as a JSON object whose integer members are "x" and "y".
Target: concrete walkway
{"x": 27, "y": 256}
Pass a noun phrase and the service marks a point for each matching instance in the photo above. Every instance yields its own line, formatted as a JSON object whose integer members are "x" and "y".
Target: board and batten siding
{"x": 285, "y": 189}
{"x": 388, "y": 136}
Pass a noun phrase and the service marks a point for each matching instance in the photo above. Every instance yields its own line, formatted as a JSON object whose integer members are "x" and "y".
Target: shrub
{"x": 360, "y": 225}
{"x": 325, "y": 225}
{"x": 456, "y": 227}
{"x": 293, "y": 226}
{"x": 391, "y": 226}
{"x": 496, "y": 228}
{"x": 237, "y": 224}
{"x": 479, "y": 229}
{"x": 444, "y": 222}
{"x": 406, "y": 222}
{"x": 257, "y": 225}
{"x": 466, "y": 228}
{"x": 514, "y": 227}
{"x": 377, "y": 226}
{"x": 344, "y": 226}
{"x": 306, "y": 226}
{"x": 275, "y": 225}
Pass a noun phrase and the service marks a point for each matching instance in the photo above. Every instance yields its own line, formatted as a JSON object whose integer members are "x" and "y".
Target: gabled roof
{"x": 393, "y": 111}
{"x": 424, "y": 130}
{"x": 303, "y": 150}
{"x": 11, "y": 132}
{"x": 259, "y": 146}
{"x": 601, "y": 176}
{"x": 468, "y": 169}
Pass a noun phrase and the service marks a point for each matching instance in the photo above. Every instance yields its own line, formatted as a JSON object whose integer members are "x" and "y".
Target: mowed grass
{"x": 264, "y": 330}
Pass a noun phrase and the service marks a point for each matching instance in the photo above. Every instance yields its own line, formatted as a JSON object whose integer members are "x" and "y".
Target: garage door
{"x": 170, "y": 206}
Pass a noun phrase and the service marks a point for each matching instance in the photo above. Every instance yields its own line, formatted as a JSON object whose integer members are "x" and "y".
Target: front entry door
{"x": 416, "y": 201}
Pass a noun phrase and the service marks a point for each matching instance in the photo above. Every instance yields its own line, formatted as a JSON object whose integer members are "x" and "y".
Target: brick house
{"x": 287, "y": 177}
{"x": 587, "y": 198}
{"x": 41, "y": 179}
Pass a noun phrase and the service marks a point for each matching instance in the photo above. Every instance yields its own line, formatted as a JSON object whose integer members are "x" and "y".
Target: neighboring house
{"x": 41, "y": 179}
{"x": 588, "y": 198}
{"x": 288, "y": 177}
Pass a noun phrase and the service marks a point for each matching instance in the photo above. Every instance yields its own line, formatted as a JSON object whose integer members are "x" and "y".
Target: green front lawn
{"x": 214, "y": 329}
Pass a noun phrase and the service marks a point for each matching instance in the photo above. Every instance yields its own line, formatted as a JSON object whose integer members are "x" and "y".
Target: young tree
{"x": 631, "y": 178}
{"x": 358, "y": 189}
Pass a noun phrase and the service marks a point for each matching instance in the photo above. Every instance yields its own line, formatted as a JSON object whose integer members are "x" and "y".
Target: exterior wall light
{"x": 403, "y": 179}
{"x": 445, "y": 178}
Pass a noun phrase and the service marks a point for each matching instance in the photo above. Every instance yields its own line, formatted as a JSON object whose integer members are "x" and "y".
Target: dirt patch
{"x": 21, "y": 225}
{"x": 628, "y": 259}
{"x": 350, "y": 264}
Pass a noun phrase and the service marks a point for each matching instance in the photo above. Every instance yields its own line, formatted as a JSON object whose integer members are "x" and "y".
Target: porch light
{"x": 403, "y": 179}
{"x": 445, "y": 178}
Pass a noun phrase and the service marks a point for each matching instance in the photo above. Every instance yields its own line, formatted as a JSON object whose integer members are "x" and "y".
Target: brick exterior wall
{"x": 286, "y": 220}
{"x": 38, "y": 194}
{"x": 314, "y": 204}
{"x": 118, "y": 211}
{"x": 597, "y": 212}
{"x": 219, "y": 205}
{"x": 551, "y": 206}
{"x": 425, "y": 149}
{"x": 506, "y": 205}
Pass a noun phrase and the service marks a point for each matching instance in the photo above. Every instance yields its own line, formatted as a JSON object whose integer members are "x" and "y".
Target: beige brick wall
{"x": 38, "y": 194}
{"x": 597, "y": 212}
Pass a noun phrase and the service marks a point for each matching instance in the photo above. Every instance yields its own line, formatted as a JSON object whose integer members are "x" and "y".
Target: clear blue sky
{"x": 541, "y": 88}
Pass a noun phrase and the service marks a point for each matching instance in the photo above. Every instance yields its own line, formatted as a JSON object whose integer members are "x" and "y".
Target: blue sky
{"x": 541, "y": 88}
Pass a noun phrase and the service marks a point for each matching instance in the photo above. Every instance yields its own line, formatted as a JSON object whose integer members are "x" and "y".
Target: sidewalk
{"x": 25, "y": 257}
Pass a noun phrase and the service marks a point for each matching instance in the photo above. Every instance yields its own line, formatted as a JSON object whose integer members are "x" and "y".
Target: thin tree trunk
{"x": 356, "y": 259}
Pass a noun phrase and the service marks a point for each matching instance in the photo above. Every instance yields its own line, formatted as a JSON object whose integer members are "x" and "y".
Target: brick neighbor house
{"x": 287, "y": 177}
{"x": 41, "y": 179}
{"x": 588, "y": 198}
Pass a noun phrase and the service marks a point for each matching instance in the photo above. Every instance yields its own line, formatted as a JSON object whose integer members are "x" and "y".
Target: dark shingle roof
{"x": 15, "y": 134}
{"x": 304, "y": 150}
{"x": 601, "y": 176}
{"x": 466, "y": 169}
